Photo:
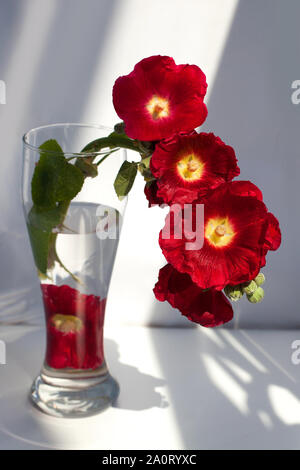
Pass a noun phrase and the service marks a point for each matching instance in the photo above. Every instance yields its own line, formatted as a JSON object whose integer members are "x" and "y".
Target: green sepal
{"x": 144, "y": 169}
{"x": 234, "y": 293}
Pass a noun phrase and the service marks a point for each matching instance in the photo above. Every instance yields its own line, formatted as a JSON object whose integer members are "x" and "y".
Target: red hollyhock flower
{"x": 159, "y": 98}
{"x": 208, "y": 308}
{"x": 74, "y": 328}
{"x": 273, "y": 233}
{"x": 238, "y": 232}
{"x": 188, "y": 166}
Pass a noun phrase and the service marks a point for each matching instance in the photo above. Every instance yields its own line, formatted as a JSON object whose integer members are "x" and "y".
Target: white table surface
{"x": 180, "y": 389}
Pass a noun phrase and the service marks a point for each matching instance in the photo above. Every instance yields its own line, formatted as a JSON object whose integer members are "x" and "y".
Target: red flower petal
{"x": 273, "y": 234}
{"x": 232, "y": 257}
{"x": 208, "y": 308}
{"x": 159, "y": 98}
{"x": 246, "y": 188}
{"x": 188, "y": 166}
{"x": 74, "y": 328}
{"x": 150, "y": 191}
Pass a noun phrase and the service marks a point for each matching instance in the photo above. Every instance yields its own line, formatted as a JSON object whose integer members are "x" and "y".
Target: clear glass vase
{"x": 74, "y": 258}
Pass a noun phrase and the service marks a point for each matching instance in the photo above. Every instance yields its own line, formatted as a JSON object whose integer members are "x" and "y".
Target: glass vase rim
{"x": 65, "y": 124}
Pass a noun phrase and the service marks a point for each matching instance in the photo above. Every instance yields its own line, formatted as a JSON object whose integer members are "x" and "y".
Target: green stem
{"x": 105, "y": 156}
{"x": 112, "y": 141}
{"x": 75, "y": 278}
{"x": 52, "y": 255}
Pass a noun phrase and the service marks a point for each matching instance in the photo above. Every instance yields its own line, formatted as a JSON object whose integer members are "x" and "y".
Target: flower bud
{"x": 250, "y": 287}
{"x": 260, "y": 279}
{"x": 257, "y": 296}
{"x": 233, "y": 292}
{"x": 119, "y": 128}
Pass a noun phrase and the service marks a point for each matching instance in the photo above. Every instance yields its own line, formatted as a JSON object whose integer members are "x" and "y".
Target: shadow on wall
{"x": 48, "y": 57}
{"x": 250, "y": 108}
{"x": 20, "y": 296}
{"x": 71, "y": 55}
{"x": 10, "y": 21}
{"x": 240, "y": 383}
{"x": 231, "y": 390}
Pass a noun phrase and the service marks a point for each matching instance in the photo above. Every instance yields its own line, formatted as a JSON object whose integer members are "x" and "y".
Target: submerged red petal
{"x": 80, "y": 347}
{"x": 178, "y": 89}
{"x": 208, "y": 308}
{"x": 232, "y": 260}
{"x": 206, "y": 163}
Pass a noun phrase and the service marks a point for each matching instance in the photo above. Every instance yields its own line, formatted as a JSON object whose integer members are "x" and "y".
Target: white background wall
{"x": 59, "y": 59}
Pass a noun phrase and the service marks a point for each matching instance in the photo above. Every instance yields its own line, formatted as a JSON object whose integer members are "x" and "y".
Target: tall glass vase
{"x": 74, "y": 246}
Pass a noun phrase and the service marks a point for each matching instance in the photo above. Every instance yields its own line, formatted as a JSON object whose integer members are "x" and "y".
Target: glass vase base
{"x": 74, "y": 398}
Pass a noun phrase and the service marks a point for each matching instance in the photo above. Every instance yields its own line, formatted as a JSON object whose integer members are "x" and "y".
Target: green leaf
{"x": 54, "y": 184}
{"x": 54, "y": 179}
{"x": 41, "y": 222}
{"x": 43, "y": 180}
{"x": 69, "y": 182}
{"x": 40, "y": 243}
{"x": 46, "y": 219}
{"x": 125, "y": 179}
{"x": 51, "y": 145}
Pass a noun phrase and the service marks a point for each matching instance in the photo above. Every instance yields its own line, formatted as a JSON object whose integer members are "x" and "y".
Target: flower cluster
{"x": 161, "y": 104}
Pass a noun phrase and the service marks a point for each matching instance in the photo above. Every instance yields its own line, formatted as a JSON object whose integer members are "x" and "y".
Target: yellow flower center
{"x": 158, "y": 107}
{"x": 219, "y": 232}
{"x": 67, "y": 323}
{"x": 190, "y": 167}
